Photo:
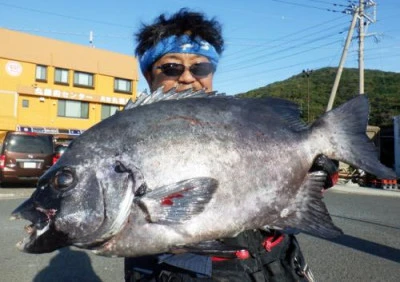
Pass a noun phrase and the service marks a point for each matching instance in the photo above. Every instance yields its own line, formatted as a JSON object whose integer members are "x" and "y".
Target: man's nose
{"x": 186, "y": 77}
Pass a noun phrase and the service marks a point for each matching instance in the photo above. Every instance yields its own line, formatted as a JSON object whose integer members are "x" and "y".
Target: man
{"x": 182, "y": 52}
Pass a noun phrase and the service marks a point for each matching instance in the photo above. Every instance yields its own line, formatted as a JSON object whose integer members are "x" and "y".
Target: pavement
{"x": 15, "y": 193}
{"x": 351, "y": 188}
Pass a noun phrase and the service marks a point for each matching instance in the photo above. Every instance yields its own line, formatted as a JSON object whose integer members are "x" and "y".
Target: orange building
{"x": 57, "y": 87}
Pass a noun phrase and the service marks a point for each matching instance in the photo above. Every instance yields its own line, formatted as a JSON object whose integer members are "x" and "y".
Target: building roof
{"x": 42, "y": 50}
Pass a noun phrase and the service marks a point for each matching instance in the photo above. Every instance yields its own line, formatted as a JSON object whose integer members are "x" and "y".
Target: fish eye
{"x": 63, "y": 179}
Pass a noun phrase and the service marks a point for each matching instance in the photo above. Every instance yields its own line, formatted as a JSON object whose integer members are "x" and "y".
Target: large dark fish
{"x": 173, "y": 173}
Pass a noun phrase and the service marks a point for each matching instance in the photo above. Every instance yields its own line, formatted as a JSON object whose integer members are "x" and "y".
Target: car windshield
{"x": 30, "y": 144}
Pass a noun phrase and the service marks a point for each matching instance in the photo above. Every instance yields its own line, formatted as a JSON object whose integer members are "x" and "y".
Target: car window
{"x": 30, "y": 144}
{"x": 60, "y": 149}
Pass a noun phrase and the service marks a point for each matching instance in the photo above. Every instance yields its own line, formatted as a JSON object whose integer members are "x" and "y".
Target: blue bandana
{"x": 181, "y": 44}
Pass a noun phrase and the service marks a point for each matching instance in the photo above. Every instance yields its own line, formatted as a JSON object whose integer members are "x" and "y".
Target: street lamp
{"x": 307, "y": 73}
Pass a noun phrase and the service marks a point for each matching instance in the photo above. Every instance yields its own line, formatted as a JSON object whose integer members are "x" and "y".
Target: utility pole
{"x": 342, "y": 60}
{"x": 91, "y": 39}
{"x": 307, "y": 73}
{"x": 361, "y": 47}
{"x": 364, "y": 5}
{"x": 360, "y": 14}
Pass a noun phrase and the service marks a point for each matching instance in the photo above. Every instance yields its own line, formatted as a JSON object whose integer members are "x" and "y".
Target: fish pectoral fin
{"x": 178, "y": 202}
{"x": 311, "y": 214}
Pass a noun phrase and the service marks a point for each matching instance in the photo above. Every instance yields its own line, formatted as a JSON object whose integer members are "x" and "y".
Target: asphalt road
{"x": 369, "y": 250}
{"x": 65, "y": 265}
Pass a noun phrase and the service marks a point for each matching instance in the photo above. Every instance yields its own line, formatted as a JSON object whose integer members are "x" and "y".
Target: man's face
{"x": 157, "y": 78}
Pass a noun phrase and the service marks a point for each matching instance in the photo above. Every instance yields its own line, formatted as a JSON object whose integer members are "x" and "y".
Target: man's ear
{"x": 149, "y": 77}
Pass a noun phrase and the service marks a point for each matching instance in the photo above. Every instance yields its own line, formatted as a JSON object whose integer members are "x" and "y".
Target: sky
{"x": 265, "y": 40}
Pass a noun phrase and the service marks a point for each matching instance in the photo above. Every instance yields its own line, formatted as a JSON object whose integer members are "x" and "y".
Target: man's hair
{"x": 183, "y": 22}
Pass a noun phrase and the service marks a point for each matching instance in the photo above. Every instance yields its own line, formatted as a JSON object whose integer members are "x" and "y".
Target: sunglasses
{"x": 198, "y": 70}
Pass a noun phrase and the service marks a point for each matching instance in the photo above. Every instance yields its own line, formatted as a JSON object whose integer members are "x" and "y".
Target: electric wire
{"x": 277, "y": 49}
{"x": 309, "y": 6}
{"x": 65, "y": 16}
{"x": 262, "y": 52}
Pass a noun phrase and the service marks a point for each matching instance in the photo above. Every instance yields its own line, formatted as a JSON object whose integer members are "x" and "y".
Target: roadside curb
{"x": 352, "y": 188}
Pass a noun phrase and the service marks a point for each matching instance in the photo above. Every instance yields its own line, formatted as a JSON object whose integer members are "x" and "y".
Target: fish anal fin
{"x": 310, "y": 214}
{"x": 178, "y": 202}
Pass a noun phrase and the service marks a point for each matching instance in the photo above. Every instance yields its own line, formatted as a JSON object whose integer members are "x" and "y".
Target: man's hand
{"x": 331, "y": 167}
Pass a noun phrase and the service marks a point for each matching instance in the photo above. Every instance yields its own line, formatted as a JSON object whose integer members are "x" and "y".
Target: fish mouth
{"x": 42, "y": 234}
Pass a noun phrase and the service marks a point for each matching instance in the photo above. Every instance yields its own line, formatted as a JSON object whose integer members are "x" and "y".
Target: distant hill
{"x": 382, "y": 88}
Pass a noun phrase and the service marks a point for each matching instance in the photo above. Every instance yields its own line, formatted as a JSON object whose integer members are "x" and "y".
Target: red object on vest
{"x": 271, "y": 242}
{"x": 240, "y": 254}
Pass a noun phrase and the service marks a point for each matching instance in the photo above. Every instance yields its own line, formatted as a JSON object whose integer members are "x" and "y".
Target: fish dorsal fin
{"x": 290, "y": 113}
{"x": 172, "y": 94}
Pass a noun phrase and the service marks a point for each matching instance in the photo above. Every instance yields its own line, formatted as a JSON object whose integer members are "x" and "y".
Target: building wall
{"x": 30, "y": 104}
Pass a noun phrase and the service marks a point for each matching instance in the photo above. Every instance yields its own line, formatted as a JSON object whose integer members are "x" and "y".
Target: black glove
{"x": 331, "y": 167}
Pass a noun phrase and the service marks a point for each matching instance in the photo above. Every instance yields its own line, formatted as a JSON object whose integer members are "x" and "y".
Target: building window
{"x": 108, "y": 110}
{"x": 83, "y": 79}
{"x": 61, "y": 76}
{"x": 122, "y": 85}
{"x": 73, "y": 109}
{"x": 25, "y": 103}
{"x": 41, "y": 73}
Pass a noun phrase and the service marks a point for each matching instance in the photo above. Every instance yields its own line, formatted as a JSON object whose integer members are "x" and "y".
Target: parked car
{"x": 24, "y": 156}
{"x": 58, "y": 151}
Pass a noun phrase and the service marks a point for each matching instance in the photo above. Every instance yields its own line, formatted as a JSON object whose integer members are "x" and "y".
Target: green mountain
{"x": 382, "y": 88}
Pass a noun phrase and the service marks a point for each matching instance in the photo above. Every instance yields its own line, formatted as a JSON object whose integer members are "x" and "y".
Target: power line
{"x": 253, "y": 75}
{"x": 266, "y": 57}
{"x": 247, "y": 61}
{"x": 65, "y": 16}
{"x": 282, "y": 57}
{"x": 309, "y": 6}
{"x": 333, "y": 4}
{"x": 285, "y": 38}
{"x": 68, "y": 32}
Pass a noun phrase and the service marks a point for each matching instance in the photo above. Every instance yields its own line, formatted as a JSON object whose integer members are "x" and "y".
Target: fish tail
{"x": 344, "y": 130}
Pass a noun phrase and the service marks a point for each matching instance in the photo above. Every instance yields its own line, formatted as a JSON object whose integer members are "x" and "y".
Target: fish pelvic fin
{"x": 178, "y": 202}
{"x": 344, "y": 129}
{"x": 210, "y": 248}
{"x": 309, "y": 213}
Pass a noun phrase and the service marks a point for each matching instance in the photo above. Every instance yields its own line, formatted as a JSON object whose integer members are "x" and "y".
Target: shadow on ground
{"x": 68, "y": 265}
{"x": 368, "y": 247}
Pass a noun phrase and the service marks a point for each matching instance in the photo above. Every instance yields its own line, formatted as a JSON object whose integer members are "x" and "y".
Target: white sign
{"x": 48, "y": 92}
{"x": 13, "y": 68}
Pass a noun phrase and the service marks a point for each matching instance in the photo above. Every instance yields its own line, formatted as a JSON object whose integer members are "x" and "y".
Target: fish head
{"x": 81, "y": 200}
